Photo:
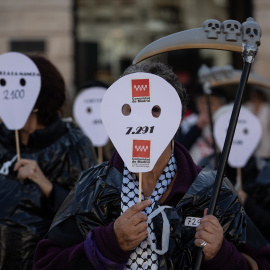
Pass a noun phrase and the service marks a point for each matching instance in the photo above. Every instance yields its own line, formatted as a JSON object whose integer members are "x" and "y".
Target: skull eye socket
{"x": 245, "y": 131}
{"x": 229, "y": 25}
{"x": 2, "y": 82}
{"x": 126, "y": 110}
{"x": 236, "y": 26}
{"x": 156, "y": 111}
{"x": 22, "y": 82}
{"x": 248, "y": 30}
{"x": 256, "y": 32}
{"x": 88, "y": 110}
{"x": 210, "y": 24}
{"x": 216, "y": 25}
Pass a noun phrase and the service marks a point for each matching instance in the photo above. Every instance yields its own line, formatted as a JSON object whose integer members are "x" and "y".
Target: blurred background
{"x": 98, "y": 39}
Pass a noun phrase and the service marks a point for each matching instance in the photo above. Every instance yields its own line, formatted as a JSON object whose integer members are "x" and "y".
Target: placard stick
{"x": 100, "y": 155}
{"x": 140, "y": 187}
{"x": 239, "y": 179}
{"x": 17, "y": 144}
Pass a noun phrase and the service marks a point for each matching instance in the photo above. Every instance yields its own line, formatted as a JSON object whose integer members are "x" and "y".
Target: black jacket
{"x": 96, "y": 202}
{"x": 62, "y": 152}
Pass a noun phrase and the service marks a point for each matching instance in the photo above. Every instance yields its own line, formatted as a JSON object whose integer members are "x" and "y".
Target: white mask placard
{"x": 247, "y": 135}
{"x": 141, "y": 113}
{"x": 20, "y": 84}
{"x": 87, "y": 113}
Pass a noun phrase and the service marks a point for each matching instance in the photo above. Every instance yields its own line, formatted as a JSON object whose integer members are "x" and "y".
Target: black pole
{"x": 226, "y": 150}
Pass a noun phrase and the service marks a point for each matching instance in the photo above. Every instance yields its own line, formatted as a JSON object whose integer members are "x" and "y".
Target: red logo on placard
{"x": 141, "y": 148}
{"x": 140, "y": 88}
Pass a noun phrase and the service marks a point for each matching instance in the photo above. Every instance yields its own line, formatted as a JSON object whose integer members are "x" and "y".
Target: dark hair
{"x": 164, "y": 72}
{"x": 52, "y": 94}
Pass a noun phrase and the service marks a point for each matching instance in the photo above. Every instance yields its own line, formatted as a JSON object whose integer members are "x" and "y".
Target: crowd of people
{"x": 63, "y": 210}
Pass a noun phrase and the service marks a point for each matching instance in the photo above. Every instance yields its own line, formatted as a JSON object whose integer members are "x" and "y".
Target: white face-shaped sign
{"x": 20, "y": 83}
{"x": 247, "y": 135}
{"x": 86, "y": 111}
{"x": 141, "y": 113}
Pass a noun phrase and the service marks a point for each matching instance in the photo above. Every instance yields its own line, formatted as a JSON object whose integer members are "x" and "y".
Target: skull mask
{"x": 141, "y": 113}
{"x": 20, "y": 84}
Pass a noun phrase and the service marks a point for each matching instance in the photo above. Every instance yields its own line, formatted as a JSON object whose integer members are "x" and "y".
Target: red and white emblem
{"x": 141, "y": 148}
{"x": 140, "y": 88}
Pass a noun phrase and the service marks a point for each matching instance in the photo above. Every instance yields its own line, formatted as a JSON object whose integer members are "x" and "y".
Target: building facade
{"x": 97, "y": 39}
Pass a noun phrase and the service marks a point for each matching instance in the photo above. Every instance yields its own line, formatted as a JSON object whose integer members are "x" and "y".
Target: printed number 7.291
{"x": 140, "y": 130}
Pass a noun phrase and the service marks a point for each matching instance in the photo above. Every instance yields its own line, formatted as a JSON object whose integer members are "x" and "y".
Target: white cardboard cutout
{"x": 86, "y": 111}
{"x": 247, "y": 135}
{"x": 20, "y": 83}
{"x": 139, "y": 137}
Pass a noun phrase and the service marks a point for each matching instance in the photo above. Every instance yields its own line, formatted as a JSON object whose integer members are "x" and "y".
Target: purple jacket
{"x": 103, "y": 252}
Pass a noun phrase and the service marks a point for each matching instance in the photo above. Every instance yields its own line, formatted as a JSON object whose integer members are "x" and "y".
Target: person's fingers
{"x": 136, "y": 208}
{"x": 141, "y": 227}
{"x": 212, "y": 219}
{"x": 204, "y": 235}
{"x": 137, "y": 218}
{"x": 206, "y": 226}
{"x": 25, "y": 162}
{"x": 22, "y": 173}
{"x": 20, "y": 163}
{"x": 198, "y": 242}
{"x": 141, "y": 236}
{"x": 28, "y": 170}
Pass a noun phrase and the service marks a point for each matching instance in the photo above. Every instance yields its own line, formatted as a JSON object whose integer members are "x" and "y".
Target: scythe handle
{"x": 249, "y": 53}
{"x": 226, "y": 150}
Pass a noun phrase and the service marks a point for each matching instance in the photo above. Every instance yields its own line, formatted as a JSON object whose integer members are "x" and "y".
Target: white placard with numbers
{"x": 86, "y": 111}
{"x": 247, "y": 135}
{"x": 20, "y": 84}
{"x": 141, "y": 113}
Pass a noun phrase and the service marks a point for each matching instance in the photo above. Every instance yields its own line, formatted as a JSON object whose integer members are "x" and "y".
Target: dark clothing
{"x": 82, "y": 235}
{"x": 189, "y": 138}
{"x": 62, "y": 151}
{"x": 256, "y": 183}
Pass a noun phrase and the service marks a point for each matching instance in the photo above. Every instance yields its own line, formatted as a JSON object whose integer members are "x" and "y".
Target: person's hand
{"x": 29, "y": 169}
{"x": 210, "y": 231}
{"x": 131, "y": 227}
{"x": 243, "y": 195}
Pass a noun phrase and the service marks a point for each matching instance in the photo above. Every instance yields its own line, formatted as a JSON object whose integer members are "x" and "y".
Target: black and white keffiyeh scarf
{"x": 143, "y": 257}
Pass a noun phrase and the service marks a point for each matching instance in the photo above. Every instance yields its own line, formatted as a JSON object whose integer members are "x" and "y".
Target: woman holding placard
{"x": 53, "y": 152}
{"x": 103, "y": 224}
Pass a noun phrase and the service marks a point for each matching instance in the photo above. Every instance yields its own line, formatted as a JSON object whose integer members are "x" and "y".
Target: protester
{"x": 195, "y": 132}
{"x": 53, "y": 153}
{"x": 92, "y": 231}
{"x": 254, "y": 190}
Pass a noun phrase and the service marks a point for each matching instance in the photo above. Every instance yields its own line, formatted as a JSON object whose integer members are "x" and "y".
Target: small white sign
{"x": 20, "y": 84}
{"x": 141, "y": 113}
{"x": 192, "y": 221}
{"x": 247, "y": 135}
{"x": 86, "y": 111}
